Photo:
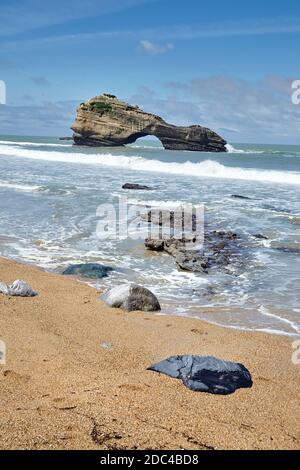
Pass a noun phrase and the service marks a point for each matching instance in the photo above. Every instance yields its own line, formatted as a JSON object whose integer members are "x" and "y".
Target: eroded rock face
{"x": 206, "y": 373}
{"x": 106, "y": 121}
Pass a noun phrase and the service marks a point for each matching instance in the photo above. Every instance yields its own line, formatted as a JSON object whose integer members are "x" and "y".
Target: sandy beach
{"x": 62, "y": 389}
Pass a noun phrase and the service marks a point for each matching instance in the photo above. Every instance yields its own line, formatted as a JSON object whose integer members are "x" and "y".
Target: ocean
{"x": 50, "y": 192}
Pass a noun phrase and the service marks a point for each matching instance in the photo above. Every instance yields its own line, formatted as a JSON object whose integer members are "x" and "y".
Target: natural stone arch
{"x": 107, "y": 121}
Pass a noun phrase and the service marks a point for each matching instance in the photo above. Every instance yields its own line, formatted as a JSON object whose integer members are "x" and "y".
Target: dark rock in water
{"x": 237, "y": 196}
{"x": 66, "y": 138}
{"x": 219, "y": 249}
{"x": 90, "y": 270}
{"x": 155, "y": 245}
{"x": 136, "y": 186}
{"x": 106, "y": 121}
{"x": 18, "y": 288}
{"x": 294, "y": 219}
{"x": 206, "y": 373}
{"x": 259, "y": 236}
{"x": 131, "y": 297}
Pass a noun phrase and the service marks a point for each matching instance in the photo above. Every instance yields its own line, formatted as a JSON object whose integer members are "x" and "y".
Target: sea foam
{"x": 204, "y": 169}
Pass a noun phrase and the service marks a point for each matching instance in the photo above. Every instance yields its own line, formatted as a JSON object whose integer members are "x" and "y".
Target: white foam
{"x": 266, "y": 313}
{"x": 231, "y": 149}
{"x": 33, "y": 144}
{"x": 19, "y": 187}
{"x": 152, "y": 147}
{"x": 158, "y": 204}
{"x": 207, "y": 168}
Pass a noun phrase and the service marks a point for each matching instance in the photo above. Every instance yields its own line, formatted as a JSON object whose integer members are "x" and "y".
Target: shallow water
{"x": 50, "y": 191}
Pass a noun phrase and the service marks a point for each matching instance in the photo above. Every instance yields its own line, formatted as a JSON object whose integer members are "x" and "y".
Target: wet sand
{"x": 62, "y": 389}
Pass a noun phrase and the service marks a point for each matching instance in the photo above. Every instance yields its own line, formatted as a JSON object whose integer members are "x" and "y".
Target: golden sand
{"x": 61, "y": 389}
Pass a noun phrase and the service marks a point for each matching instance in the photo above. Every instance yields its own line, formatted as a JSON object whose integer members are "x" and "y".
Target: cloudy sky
{"x": 225, "y": 64}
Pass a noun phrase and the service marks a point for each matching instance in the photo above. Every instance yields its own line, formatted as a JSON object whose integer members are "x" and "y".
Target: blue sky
{"x": 225, "y": 64}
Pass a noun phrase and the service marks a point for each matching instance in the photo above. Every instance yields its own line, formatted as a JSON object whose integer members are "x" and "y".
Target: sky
{"x": 224, "y": 64}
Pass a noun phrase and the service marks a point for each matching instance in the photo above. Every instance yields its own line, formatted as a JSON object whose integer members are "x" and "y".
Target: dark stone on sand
{"x": 205, "y": 373}
{"x": 90, "y": 270}
{"x": 131, "y": 297}
{"x": 136, "y": 186}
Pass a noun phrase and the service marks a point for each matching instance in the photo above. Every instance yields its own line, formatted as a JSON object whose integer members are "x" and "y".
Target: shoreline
{"x": 61, "y": 388}
{"x": 291, "y": 336}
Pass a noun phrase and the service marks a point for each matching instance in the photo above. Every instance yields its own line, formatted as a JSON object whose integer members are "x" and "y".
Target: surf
{"x": 204, "y": 169}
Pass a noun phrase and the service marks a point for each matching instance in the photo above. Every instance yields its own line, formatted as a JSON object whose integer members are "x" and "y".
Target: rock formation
{"x": 89, "y": 270}
{"x": 131, "y": 297}
{"x": 218, "y": 249}
{"x": 106, "y": 121}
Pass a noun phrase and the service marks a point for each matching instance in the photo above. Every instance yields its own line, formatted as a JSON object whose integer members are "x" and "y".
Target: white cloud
{"x": 155, "y": 49}
{"x": 159, "y": 40}
{"x": 25, "y": 15}
{"x": 244, "y": 110}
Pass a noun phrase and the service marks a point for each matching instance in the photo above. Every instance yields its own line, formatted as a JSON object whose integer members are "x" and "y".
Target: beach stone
{"x": 205, "y": 373}
{"x": 90, "y": 270}
{"x": 136, "y": 186}
{"x": 18, "y": 288}
{"x": 131, "y": 297}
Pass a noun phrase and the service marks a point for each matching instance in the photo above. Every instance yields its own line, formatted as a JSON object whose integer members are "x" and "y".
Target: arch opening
{"x": 146, "y": 141}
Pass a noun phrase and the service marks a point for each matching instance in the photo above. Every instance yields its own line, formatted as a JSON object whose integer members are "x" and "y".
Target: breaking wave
{"x": 19, "y": 187}
{"x": 207, "y": 168}
{"x": 33, "y": 144}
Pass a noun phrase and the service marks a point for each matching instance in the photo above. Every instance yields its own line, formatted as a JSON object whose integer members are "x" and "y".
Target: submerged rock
{"x": 18, "y": 288}
{"x": 205, "y": 373}
{"x": 131, "y": 297}
{"x": 106, "y": 121}
{"x": 90, "y": 270}
{"x": 186, "y": 259}
{"x": 136, "y": 186}
{"x": 238, "y": 196}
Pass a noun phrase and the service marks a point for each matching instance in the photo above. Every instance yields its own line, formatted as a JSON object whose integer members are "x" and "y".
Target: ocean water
{"x": 50, "y": 192}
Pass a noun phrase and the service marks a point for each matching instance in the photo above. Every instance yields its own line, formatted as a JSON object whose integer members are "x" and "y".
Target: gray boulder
{"x": 206, "y": 373}
{"x": 131, "y": 297}
{"x": 90, "y": 270}
{"x": 18, "y": 288}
